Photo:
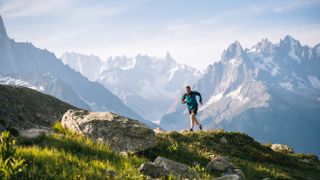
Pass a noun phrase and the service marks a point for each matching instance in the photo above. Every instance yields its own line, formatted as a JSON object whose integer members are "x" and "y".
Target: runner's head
{"x": 188, "y": 89}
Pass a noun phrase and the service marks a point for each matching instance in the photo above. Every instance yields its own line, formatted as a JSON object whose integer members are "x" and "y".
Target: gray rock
{"x": 177, "y": 169}
{"x": 219, "y": 163}
{"x": 282, "y": 148}
{"x": 239, "y": 173}
{"x": 34, "y": 132}
{"x": 119, "y": 132}
{"x": 223, "y": 140}
{"x": 229, "y": 177}
{"x": 223, "y": 164}
{"x": 153, "y": 170}
{"x": 233, "y": 171}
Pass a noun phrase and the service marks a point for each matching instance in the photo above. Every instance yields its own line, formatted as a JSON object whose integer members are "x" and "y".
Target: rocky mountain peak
{"x": 233, "y": 51}
{"x": 289, "y": 42}
{"x": 264, "y": 46}
{"x": 3, "y": 32}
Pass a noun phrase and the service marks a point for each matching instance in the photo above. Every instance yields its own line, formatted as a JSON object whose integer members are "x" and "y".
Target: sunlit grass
{"x": 69, "y": 155}
{"x": 256, "y": 161}
{"x": 66, "y": 155}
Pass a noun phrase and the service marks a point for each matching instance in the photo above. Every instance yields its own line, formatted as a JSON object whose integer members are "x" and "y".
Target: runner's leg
{"x": 191, "y": 121}
{"x": 195, "y": 119}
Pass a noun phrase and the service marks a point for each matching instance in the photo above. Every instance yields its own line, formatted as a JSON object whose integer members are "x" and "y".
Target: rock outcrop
{"x": 162, "y": 167}
{"x": 119, "y": 132}
{"x": 219, "y": 163}
{"x": 153, "y": 170}
{"x": 227, "y": 169}
{"x": 223, "y": 140}
{"x": 282, "y": 148}
{"x": 159, "y": 130}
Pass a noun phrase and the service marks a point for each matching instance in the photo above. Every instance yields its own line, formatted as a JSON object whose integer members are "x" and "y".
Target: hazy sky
{"x": 195, "y": 32}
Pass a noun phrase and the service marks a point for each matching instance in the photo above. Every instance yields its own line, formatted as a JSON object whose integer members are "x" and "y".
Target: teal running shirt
{"x": 191, "y": 99}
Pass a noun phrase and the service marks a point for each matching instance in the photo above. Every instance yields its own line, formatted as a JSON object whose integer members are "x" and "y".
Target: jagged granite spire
{"x": 233, "y": 51}
{"x": 3, "y": 33}
{"x": 289, "y": 41}
{"x": 264, "y": 47}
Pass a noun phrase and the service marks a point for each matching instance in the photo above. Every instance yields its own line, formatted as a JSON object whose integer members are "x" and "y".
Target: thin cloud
{"x": 194, "y": 38}
{"x": 295, "y": 5}
{"x": 22, "y": 8}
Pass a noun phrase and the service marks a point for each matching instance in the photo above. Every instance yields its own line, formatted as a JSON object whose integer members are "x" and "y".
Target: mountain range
{"x": 271, "y": 92}
{"x": 24, "y": 64}
{"x": 146, "y": 84}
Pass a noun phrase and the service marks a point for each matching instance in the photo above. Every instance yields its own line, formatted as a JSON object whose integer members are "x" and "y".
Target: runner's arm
{"x": 198, "y": 94}
{"x": 183, "y": 99}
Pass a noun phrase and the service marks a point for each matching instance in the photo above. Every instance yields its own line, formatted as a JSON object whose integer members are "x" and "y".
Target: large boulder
{"x": 159, "y": 130}
{"x": 176, "y": 168}
{"x": 153, "y": 170}
{"x": 119, "y": 132}
{"x": 282, "y": 148}
{"x": 219, "y": 163}
{"x": 227, "y": 169}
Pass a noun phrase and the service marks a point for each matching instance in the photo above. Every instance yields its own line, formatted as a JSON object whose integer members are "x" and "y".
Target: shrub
{"x": 10, "y": 167}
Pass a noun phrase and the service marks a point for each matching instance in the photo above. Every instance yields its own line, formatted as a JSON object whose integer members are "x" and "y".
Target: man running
{"x": 190, "y": 98}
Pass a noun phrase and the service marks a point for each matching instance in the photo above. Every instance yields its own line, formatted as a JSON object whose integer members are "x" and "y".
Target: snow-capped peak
{"x": 289, "y": 42}
{"x": 291, "y": 47}
{"x": 264, "y": 47}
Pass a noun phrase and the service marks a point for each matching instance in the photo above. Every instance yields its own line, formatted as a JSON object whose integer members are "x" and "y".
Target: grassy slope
{"x": 41, "y": 109}
{"x": 66, "y": 155}
{"x": 256, "y": 161}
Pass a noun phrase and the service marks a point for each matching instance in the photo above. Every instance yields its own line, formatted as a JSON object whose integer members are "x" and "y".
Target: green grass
{"x": 256, "y": 161}
{"x": 65, "y": 155}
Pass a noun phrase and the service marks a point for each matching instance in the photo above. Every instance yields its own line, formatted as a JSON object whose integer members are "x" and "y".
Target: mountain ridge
{"x": 140, "y": 81}
{"x": 40, "y": 67}
{"x": 257, "y": 90}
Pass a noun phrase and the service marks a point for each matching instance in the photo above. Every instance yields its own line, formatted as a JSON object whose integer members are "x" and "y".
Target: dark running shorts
{"x": 194, "y": 110}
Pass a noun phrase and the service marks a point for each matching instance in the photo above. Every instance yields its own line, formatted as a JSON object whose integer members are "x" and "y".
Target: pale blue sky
{"x": 194, "y": 32}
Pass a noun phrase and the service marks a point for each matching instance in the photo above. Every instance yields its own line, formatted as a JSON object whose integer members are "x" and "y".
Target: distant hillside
{"x": 23, "y": 108}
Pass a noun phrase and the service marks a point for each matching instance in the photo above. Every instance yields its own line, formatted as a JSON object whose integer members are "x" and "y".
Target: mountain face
{"x": 24, "y": 108}
{"x": 26, "y": 64}
{"x": 271, "y": 91}
{"x": 88, "y": 66}
{"x": 146, "y": 84}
